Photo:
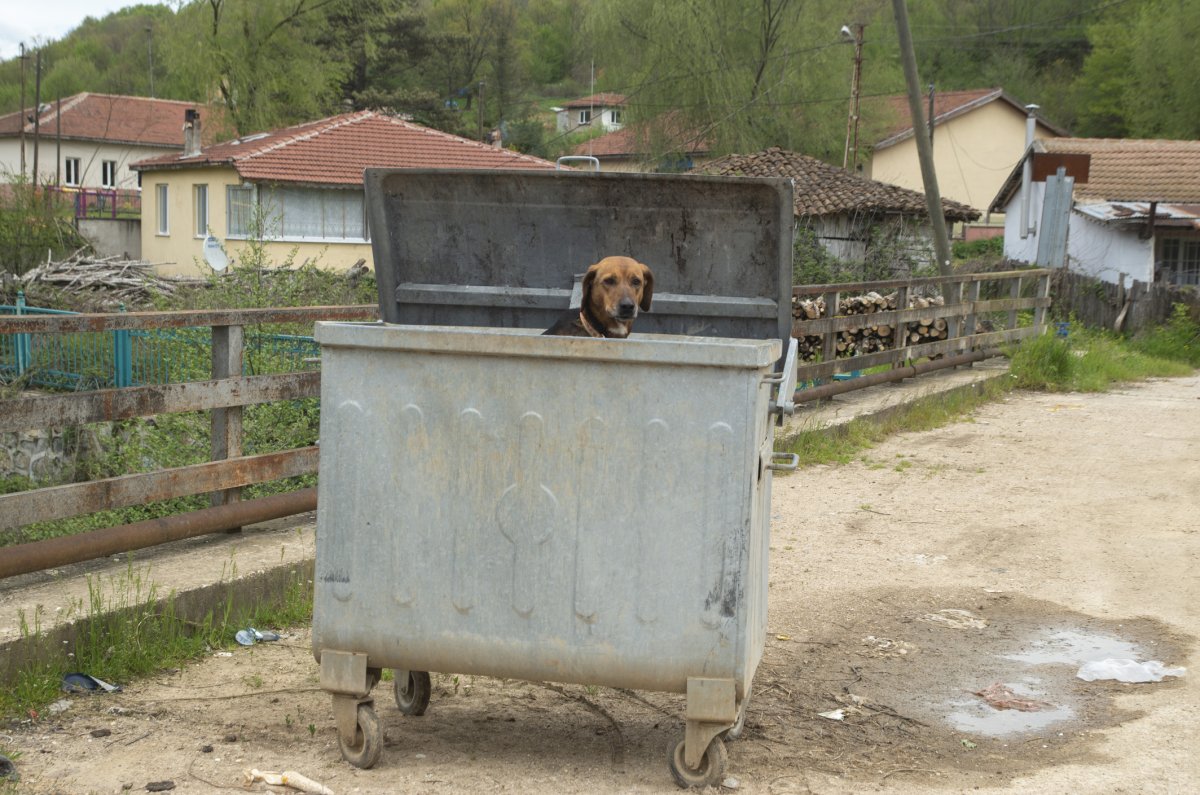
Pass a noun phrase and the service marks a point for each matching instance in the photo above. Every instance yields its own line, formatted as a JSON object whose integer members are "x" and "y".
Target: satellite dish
{"x": 214, "y": 255}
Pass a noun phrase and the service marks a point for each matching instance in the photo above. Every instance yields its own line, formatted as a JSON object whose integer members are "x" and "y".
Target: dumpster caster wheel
{"x": 712, "y": 767}
{"x": 368, "y": 739}
{"x": 412, "y": 692}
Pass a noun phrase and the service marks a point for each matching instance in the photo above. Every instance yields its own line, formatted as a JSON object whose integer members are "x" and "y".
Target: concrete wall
{"x": 39, "y": 455}
{"x": 113, "y": 237}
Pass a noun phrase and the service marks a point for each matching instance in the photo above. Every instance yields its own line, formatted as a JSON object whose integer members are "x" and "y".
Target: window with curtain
{"x": 160, "y": 206}
{"x": 239, "y": 210}
{"x": 316, "y": 213}
{"x": 201, "y": 199}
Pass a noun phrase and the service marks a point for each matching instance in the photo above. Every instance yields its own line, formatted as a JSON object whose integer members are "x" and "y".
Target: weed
{"x": 312, "y": 730}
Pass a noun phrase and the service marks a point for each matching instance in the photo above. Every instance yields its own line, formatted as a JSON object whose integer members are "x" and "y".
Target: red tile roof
{"x": 638, "y": 140}
{"x": 1123, "y": 169}
{"x": 109, "y": 117}
{"x": 335, "y": 151}
{"x": 602, "y": 100}
{"x": 821, "y": 189}
{"x": 946, "y": 105}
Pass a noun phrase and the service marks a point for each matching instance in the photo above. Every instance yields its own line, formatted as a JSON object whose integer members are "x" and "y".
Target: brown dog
{"x": 614, "y": 289}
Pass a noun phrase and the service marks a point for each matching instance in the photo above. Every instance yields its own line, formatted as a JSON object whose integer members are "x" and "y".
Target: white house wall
{"x": 91, "y": 155}
{"x": 1104, "y": 251}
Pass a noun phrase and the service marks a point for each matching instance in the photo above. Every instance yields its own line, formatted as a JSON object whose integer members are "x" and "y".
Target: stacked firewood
{"x": 868, "y": 336}
{"x": 108, "y": 281}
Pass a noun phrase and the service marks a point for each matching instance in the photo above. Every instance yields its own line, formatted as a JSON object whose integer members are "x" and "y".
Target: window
{"x": 1181, "y": 260}
{"x": 108, "y": 173}
{"x": 160, "y": 205}
{"x": 71, "y": 169}
{"x": 615, "y": 116}
{"x": 200, "y": 198}
{"x": 314, "y": 213}
{"x": 239, "y": 210}
{"x": 585, "y": 116}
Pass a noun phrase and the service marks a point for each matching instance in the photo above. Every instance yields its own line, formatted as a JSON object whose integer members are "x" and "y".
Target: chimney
{"x": 1027, "y": 227}
{"x": 191, "y": 132}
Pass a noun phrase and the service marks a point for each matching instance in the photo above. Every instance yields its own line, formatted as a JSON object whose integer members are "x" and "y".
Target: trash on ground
{"x": 160, "y": 786}
{"x": 250, "y": 636}
{"x": 1127, "y": 671}
{"x": 86, "y": 683}
{"x": 59, "y": 706}
{"x": 1001, "y": 696}
{"x": 98, "y": 733}
{"x": 8, "y": 771}
{"x": 955, "y": 619}
{"x": 834, "y": 714}
{"x": 887, "y": 647}
{"x": 967, "y": 744}
{"x": 288, "y": 778}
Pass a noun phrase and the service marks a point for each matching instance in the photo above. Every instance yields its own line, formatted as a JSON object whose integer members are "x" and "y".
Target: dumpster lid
{"x": 505, "y": 249}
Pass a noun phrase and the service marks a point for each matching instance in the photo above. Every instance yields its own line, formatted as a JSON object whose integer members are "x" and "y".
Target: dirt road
{"x": 1007, "y": 549}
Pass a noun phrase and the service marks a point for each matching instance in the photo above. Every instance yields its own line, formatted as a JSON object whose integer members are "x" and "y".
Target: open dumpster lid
{"x": 506, "y": 248}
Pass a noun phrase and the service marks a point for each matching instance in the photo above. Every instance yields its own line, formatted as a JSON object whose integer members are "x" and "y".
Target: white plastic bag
{"x": 1127, "y": 671}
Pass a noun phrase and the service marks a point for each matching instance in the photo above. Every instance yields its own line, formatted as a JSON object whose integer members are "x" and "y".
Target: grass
{"x": 128, "y": 628}
{"x": 1086, "y": 360}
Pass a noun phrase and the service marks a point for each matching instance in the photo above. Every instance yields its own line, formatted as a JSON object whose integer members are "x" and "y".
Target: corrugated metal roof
{"x": 823, "y": 189}
{"x": 335, "y": 151}
{"x": 1174, "y": 215}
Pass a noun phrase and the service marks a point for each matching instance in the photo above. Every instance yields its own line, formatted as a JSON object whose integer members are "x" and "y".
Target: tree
{"x": 259, "y": 58}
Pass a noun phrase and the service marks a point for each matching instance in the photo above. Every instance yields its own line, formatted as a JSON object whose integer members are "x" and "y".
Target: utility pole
{"x": 933, "y": 197}
{"x": 481, "y": 110}
{"x": 850, "y": 154}
{"x": 37, "y": 112}
{"x": 24, "y": 58}
{"x": 931, "y": 116}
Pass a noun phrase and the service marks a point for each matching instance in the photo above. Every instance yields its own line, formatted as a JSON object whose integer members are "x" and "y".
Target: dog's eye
{"x": 610, "y": 281}
{"x": 636, "y": 282}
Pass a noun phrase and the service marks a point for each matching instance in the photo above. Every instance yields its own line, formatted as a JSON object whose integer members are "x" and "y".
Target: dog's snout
{"x": 626, "y": 308}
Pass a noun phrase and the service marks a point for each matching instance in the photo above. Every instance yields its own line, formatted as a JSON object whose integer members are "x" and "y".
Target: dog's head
{"x": 614, "y": 289}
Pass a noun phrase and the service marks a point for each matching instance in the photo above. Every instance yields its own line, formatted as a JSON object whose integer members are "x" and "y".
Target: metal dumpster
{"x": 497, "y": 502}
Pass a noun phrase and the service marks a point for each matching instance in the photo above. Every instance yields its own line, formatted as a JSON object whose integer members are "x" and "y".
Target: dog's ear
{"x": 647, "y": 289}
{"x": 589, "y": 281}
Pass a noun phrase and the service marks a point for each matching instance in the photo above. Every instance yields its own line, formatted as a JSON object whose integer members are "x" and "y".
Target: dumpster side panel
{"x": 572, "y": 520}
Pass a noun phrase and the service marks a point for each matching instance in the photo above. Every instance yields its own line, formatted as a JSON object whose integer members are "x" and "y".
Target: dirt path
{"x": 1065, "y": 526}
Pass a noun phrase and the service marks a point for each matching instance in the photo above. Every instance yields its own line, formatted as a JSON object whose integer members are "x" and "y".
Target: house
{"x": 977, "y": 137}
{"x": 843, "y": 209}
{"x": 90, "y": 140}
{"x": 1135, "y": 207}
{"x": 299, "y": 189}
{"x": 599, "y": 110}
{"x": 664, "y": 144}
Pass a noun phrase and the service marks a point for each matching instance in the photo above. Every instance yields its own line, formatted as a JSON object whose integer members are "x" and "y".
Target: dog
{"x": 614, "y": 290}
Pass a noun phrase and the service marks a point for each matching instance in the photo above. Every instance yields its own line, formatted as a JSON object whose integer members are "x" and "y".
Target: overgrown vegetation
{"x": 1086, "y": 360}
{"x": 34, "y": 224}
{"x": 128, "y": 628}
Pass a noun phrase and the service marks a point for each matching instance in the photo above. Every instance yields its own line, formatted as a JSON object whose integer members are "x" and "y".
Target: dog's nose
{"x": 626, "y": 308}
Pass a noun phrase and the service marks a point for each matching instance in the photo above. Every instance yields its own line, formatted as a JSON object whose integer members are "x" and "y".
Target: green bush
{"x": 1178, "y": 340}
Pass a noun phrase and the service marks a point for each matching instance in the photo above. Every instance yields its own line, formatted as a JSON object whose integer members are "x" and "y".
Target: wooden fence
{"x": 980, "y": 311}
{"x": 224, "y": 394}
{"x": 1115, "y": 307}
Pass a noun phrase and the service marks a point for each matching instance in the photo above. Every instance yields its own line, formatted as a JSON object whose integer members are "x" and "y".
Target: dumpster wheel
{"x": 368, "y": 739}
{"x": 712, "y": 766}
{"x": 412, "y": 692}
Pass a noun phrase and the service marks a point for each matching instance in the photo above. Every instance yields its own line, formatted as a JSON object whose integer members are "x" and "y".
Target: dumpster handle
{"x": 789, "y": 462}
{"x": 593, "y": 161}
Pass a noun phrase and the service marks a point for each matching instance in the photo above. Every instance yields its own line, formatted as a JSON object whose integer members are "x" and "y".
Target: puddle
{"x": 973, "y": 714}
{"x": 1074, "y": 647}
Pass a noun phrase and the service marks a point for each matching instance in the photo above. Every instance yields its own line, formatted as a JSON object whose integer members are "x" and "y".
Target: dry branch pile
{"x": 109, "y": 281}
{"x": 870, "y": 336}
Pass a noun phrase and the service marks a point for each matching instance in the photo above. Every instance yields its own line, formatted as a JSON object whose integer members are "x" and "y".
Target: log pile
{"x": 868, "y": 337}
{"x": 108, "y": 281}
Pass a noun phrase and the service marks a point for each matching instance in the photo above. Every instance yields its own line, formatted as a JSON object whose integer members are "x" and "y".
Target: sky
{"x": 42, "y": 20}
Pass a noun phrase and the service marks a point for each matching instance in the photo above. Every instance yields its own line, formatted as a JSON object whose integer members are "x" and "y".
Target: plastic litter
{"x": 1127, "y": 671}
{"x": 85, "y": 683}
{"x": 250, "y": 636}
{"x": 1001, "y": 696}
{"x": 288, "y": 778}
{"x": 59, "y": 707}
{"x": 8, "y": 771}
{"x": 834, "y": 714}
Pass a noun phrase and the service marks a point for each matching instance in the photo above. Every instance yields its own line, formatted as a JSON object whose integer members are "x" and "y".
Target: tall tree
{"x": 259, "y": 58}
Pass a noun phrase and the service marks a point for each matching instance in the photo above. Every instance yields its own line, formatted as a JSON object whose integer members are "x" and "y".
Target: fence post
{"x": 1039, "y": 314}
{"x": 829, "y": 341}
{"x": 23, "y": 343}
{"x": 122, "y": 356}
{"x": 227, "y": 354}
{"x": 972, "y": 321}
{"x": 900, "y": 332}
{"x": 1014, "y": 294}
